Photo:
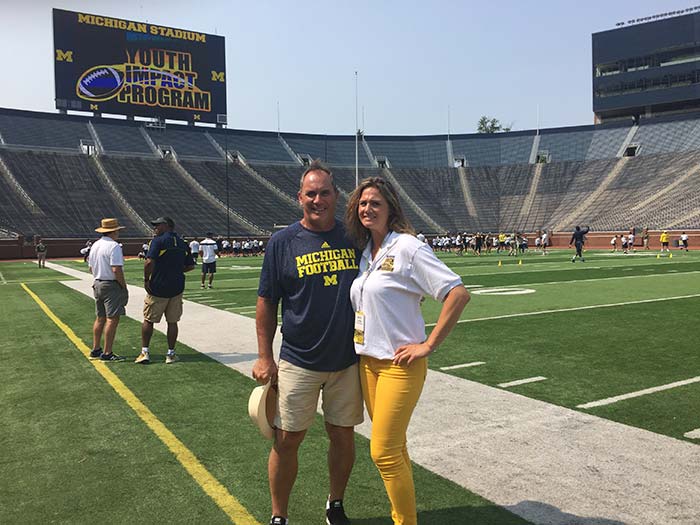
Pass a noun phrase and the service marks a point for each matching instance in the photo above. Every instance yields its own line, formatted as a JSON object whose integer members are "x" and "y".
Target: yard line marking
{"x": 464, "y": 365}
{"x": 638, "y": 393}
{"x": 211, "y": 486}
{"x": 2, "y": 278}
{"x": 522, "y": 381}
{"x": 693, "y": 434}
{"x": 605, "y": 278}
{"x": 591, "y": 307}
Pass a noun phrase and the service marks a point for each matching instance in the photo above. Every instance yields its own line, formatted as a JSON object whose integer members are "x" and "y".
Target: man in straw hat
{"x": 310, "y": 266}
{"x": 106, "y": 262}
{"x": 167, "y": 260}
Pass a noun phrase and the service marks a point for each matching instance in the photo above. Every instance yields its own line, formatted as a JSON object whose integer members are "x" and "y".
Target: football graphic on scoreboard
{"x": 100, "y": 83}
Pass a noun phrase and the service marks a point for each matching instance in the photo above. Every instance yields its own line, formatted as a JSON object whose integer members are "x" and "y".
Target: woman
{"x": 396, "y": 271}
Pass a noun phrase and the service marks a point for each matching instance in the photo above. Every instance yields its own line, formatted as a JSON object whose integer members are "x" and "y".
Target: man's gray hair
{"x": 317, "y": 165}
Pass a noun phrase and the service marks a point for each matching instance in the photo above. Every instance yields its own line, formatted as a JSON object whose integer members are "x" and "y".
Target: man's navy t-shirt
{"x": 171, "y": 254}
{"x": 312, "y": 273}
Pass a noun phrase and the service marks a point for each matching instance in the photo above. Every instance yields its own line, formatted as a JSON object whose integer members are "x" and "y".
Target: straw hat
{"x": 109, "y": 225}
{"x": 262, "y": 409}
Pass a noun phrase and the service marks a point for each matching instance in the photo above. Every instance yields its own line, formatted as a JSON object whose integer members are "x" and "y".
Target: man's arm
{"x": 265, "y": 368}
{"x": 119, "y": 274}
{"x": 147, "y": 272}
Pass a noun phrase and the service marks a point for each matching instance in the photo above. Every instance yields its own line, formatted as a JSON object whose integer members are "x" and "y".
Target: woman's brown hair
{"x": 397, "y": 220}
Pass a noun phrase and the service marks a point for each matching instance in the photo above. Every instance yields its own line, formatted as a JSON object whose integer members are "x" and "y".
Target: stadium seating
{"x": 263, "y": 147}
{"x": 246, "y": 195}
{"x": 410, "y": 152}
{"x": 154, "y": 188}
{"x": 47, "y": 132}
{"x": 67, "y": 190}
{"x": 335, "y": 151}
{"x": 583, "y": 182}
{"x": 438, "y": 193}
{"x": 125, "y": 139}
{"x": 187, "y": 144}
{"x": 656, "y": 137}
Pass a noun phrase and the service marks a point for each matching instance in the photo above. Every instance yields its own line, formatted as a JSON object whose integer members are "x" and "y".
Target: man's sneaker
{"x": 335, "y": 514}
{"x": 143, "y": 359}
{"x": 96, "y": 353}
{"x": 202, "y": 286}
{"x": 278, "y": 520}
{"x": 170, "y": 358}
{"x": 111, "y": 357}
{"x": 210, "y": 287}
{"x": 573, "y": 259}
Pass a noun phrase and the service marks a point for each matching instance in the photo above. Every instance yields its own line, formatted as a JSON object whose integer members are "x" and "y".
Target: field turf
{"x": 74, "y": 452}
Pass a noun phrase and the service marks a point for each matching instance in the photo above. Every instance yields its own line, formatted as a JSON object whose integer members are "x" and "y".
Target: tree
{"x": 491, "y": 125}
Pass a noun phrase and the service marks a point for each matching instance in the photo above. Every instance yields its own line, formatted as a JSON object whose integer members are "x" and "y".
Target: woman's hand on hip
{"x": 406, "y": 354}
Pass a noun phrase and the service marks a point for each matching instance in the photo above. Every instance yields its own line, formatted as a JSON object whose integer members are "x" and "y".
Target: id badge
{"x": 359, "y": 336}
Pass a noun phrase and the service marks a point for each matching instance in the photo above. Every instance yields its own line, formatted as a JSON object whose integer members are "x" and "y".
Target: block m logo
{"x": 217, "y": 76}
{"x": 330, "y": 280}
{"x": 64, "y": 56}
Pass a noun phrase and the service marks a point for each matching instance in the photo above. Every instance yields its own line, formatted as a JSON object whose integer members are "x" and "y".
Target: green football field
{"x": 75, "y": 452}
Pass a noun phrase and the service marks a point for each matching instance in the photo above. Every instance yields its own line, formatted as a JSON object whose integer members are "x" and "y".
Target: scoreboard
{"x": 111, "y": 65}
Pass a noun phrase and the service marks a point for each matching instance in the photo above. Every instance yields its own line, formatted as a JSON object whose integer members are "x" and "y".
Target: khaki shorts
{"x": 298, "y": 397}
{"x": 154, "y": 308}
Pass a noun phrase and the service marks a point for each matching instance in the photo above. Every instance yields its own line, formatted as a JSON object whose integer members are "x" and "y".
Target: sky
{"x": 422, "y": 67}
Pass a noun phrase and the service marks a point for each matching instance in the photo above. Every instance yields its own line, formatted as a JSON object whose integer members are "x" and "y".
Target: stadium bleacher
{"x": 67, "y": 190}
{"x": 43, "y": 152}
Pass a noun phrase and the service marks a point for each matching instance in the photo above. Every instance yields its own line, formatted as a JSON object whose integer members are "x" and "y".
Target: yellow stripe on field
{"x": 214, "y": 489}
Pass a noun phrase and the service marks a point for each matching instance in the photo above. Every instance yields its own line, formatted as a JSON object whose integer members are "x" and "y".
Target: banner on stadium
{"x": 111, "y": 65}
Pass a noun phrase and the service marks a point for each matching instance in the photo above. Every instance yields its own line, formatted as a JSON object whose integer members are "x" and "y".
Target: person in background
{"x": 40, "y": 249}
{"x": 167, "y": 261}
{"x": 645, "y": 238}
{"x": 194, "y": 249}
{"x": 578, "y": 238}
{"x": 663, "y": 239}
{"x": 396, "y": 272}
{"x": 106, "y": 263}
{"x": 209, "y": 248}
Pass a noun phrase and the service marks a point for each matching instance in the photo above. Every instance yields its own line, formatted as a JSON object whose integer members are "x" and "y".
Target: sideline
{"x": 574, "y": 309}
{"x": 548, "y": 464}
{"x": 211, "y": 486}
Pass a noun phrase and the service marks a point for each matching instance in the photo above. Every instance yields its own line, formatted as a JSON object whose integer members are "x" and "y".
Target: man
{"x": 194, "y": 248}
{"x": 683, "y": 245}
{"x": 663, "y": 239}
{"x": 544, "y": 242}
{"x": 85, "y": 251}
{"x": 577, "y": 238}
{"x": 167, "y": 260}
{"x": 645, "y": 238}
{"x": 209, "y": 249}
{"x": 40, "y": 249}
{"x": 144, "y": 251}
{"x": 106, "y": 262}
{"x": 310, "y": 266}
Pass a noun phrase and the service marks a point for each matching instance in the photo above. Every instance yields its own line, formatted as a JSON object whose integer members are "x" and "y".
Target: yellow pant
{"x": 391, "y": 393}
